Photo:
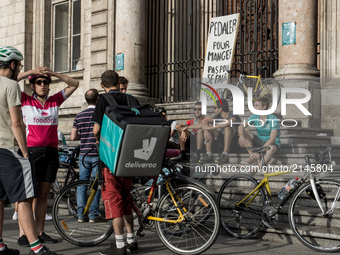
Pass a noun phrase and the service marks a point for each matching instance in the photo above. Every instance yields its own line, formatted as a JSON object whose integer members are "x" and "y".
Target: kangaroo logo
{"x": 147, "y": 150}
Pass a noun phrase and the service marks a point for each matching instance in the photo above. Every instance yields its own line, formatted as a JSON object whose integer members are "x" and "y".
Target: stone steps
{"x": 278, "y": 159}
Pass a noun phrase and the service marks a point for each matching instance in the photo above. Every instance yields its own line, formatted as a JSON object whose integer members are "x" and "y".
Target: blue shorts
{"x": 17, "y": 177}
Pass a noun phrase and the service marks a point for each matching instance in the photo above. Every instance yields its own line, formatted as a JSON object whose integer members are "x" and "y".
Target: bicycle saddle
{"x": 258, "y": 149}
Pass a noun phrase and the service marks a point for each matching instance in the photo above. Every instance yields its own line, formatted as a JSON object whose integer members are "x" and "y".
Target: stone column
{"x": 131, "y": 40}
{"x": 298, "y": 60}
{"x": 330, "y": 66}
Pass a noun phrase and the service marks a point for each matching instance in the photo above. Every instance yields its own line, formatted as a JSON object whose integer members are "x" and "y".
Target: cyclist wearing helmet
{"x": 40, "y": 112}
{"x": 17, "y": 182}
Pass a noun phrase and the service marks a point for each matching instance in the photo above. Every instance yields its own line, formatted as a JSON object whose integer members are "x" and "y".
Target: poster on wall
{"x": 219, "y": 54}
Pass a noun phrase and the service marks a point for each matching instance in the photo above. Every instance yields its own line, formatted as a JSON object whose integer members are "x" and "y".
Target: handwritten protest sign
{"x": 220, "y": 48}
{"x": 220, "y": 51}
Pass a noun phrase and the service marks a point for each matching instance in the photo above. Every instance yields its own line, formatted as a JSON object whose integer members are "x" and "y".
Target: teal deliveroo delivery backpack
{"x": 133, "y": 139}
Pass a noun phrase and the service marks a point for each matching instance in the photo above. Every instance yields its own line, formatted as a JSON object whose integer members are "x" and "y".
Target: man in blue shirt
{"x": 268, "y": 132}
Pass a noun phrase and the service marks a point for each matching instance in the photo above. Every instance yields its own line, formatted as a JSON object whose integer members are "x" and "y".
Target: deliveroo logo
{"x": 147, "y": 150}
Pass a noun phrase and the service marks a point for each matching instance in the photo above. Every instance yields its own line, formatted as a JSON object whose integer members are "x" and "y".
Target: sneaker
{"x": 113, "y": 250}
{"x": 133, "y": 247}
{"x": 43, "y": 251}
{"x": 46, "y": 239}
{"x": 8, "y": 251}
{"x": 182, "y": 157}
{"x": 48, "y": 217}
{"x": 224, "y": 159}
{"x": 23, "y": 241}
{"x": 98, "y": 219}
{"x": 15, "y": 216}
{"x": 207, "y": 159}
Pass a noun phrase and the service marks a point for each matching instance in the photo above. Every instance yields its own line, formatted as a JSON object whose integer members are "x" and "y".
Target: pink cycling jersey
{"x": 41, "y": 120}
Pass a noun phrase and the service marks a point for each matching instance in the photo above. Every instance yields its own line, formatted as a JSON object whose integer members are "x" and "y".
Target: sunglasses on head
{"x": 197, "y": 109}
{"x": 42, "y": 81}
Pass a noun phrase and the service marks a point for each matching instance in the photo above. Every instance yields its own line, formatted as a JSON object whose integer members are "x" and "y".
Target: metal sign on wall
{"x": 120, "y": 62}
{"x": 288, "y": 33}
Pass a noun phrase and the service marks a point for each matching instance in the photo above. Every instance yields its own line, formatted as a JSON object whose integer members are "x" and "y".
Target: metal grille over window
{"x": 177, "y": 36}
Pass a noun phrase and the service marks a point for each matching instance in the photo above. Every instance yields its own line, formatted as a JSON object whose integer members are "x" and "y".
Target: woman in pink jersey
{"x": 40, "y": 113}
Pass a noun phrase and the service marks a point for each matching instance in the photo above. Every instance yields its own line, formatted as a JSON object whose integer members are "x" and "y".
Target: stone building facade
{"x": 82, "y": 38}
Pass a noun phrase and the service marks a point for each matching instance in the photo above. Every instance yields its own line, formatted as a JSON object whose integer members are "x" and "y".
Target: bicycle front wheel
{"x": 242, "y": 220}
{"x": 266, "y": 89}
{"x": 200, "y": 227}
{"x": 313, "y": 229}
{"x": 65, "y": 217}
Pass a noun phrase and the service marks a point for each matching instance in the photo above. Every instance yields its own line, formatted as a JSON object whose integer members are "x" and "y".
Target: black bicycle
{"x": 68, "y": 158}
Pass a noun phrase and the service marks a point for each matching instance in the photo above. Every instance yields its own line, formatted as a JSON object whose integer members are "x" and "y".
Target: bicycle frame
{"x": 264, "y": 182}
{"x": 257, "y": 85}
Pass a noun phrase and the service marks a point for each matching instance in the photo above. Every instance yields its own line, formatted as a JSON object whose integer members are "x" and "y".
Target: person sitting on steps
{"x": 191, "y": 139}
{"x": 268, "y": 132}
{"x": 221, "y": 132}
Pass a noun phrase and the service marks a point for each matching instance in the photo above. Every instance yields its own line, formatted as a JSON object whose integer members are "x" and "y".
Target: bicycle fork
{"x": 318, "y": 199}
{"x": 94, "y": 188}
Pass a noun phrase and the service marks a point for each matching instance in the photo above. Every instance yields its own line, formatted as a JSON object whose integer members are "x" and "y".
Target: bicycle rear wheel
{"x": 267, "y": 89}
{"x": 65, "y": 218}
{"x": 243, "y": 220}
{"x": 200, "y": 228}
{"x": 313, "y": 229}
{"x": 241, "y": 86}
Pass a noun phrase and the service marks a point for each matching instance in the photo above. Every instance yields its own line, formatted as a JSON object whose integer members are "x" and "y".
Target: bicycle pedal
{"x": 270, "y": 224}
{"x": 140, "y": 234}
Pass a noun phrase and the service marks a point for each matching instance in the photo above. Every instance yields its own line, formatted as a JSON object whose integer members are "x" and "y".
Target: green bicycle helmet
{"x": 8, "y": 53}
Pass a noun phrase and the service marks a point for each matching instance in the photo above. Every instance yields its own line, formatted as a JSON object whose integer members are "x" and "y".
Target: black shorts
{"x": 17, "y": 179}
{"x": 46, "y": 163}
{"x": 218, "y": 145}
{"x": 257, "y": 142}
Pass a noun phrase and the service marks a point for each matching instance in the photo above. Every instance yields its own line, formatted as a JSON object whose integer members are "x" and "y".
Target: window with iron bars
{"x": 177, "y": 36}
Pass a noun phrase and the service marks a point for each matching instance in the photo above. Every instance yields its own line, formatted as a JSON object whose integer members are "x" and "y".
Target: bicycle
{"x": 186, "y": 217}
{"x": 246, "y": 205}
{"x": 67, "y": 159}
{"x": 261, "y": 88}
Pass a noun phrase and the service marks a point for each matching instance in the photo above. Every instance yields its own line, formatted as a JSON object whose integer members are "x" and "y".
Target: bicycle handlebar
{"x": 262, "y": 68}
{"x": 237, "y": 70}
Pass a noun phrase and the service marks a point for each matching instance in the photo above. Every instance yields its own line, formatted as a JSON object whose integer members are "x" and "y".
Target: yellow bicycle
{"x": 314, "y": 210}
{"x": 262, "y": 87}
{"x": 186, "y": 216}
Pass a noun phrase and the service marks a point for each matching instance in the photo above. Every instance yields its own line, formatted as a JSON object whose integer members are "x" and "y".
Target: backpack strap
{"x": 110, "y": 99}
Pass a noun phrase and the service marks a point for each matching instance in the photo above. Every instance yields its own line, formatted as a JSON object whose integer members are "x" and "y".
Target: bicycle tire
{"x": 229, "y": 95}
{"x": 65, "y": 218}
{"x": 314, "y": 230}
{"x": 241, "y": 221}
{"x": 193, "y": 235}
{"x": 267, "y": 89}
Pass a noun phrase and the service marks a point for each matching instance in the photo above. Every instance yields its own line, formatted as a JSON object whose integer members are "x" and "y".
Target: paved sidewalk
{"x": 150, "y": 244}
